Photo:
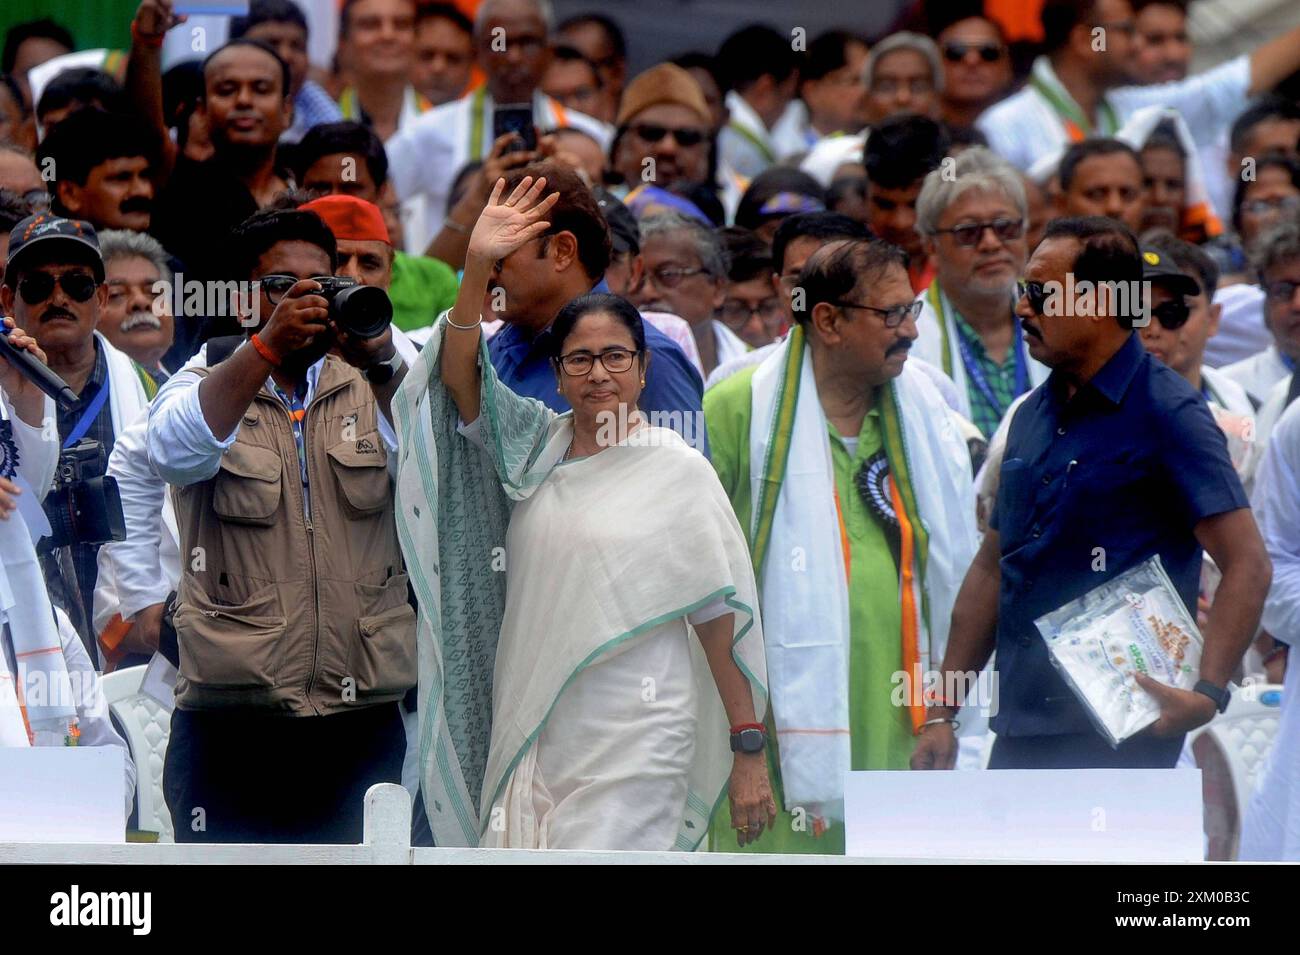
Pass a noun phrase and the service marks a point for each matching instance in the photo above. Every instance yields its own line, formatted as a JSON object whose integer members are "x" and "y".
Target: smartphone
{"x": 515, "y": 118}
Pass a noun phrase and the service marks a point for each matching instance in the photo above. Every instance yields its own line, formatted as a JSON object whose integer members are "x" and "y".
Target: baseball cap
{"x": 45, "y": 227}
{"x": 1157, "y": 267}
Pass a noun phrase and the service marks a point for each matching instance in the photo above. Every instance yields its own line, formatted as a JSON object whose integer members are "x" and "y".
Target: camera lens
{"x": 363, "y": 311}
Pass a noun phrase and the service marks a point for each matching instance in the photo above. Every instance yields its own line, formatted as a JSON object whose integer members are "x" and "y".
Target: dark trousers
{"x": 236, "y": 776}
{"x": 1083, "y": 751}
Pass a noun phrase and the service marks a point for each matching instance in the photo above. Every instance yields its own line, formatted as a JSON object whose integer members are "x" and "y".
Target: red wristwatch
{"x": 748, "y": 738}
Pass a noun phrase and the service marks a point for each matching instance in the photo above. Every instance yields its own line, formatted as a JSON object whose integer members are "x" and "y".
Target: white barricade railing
{"x": 387, "y": 841}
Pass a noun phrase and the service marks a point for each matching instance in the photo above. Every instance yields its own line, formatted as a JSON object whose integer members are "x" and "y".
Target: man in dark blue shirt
{"x": 1114, "y": 458}
{"x": 531, "y": 285}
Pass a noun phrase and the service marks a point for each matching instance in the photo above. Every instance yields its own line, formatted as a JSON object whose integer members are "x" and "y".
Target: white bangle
{"x": 464, "y": 328}
{"x": 940, "y": 719}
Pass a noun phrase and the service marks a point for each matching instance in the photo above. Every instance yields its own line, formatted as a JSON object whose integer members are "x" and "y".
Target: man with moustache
{"x": 103, "y": 170}
{"x": 137, "y": 316}
{"x": 973, "y": 222}
{"x": 1113, "y": 459}
{"x": 296, "y": 639}
{"x": 54, "y": 289}
{"x": 864, "y": 504}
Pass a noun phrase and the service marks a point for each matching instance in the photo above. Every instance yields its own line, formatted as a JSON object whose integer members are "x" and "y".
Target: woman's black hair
{"x": 584, "y": 305}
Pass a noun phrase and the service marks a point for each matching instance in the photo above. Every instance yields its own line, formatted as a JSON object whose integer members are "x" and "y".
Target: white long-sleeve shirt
{"x": 143, "y": 569}
{"x": 1024, "y": 127}
{"x": 1276, "y": 502}
{"x": 182, "y": 447}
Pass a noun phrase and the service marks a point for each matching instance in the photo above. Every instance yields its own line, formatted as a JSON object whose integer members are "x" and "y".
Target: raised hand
{"x": 505, "y": 226}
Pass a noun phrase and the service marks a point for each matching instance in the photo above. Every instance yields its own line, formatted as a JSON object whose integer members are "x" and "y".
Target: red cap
{"x": 350, "y": 218}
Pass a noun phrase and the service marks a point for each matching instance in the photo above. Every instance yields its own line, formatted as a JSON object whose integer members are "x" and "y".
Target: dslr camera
{"x": 84, "y": 506}
{"x": 363, "y": 311}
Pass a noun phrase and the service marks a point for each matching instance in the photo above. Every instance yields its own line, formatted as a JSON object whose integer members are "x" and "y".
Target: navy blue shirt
{"x": 673, "y": 386}
{"x": 1089, "y": 488}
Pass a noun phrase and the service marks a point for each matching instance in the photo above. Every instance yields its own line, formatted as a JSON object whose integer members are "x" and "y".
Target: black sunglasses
{"x": 39, "y": 286}
{"x": 1036, "y": 293}
{"x": 1173, "y": 314}
{"x": 653, "y": 134}
{"x": 956, "y": 52}
{"x": 969, "y": 233}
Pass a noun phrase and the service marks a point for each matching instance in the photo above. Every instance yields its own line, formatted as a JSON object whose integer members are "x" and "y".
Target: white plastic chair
{"x": 1244, "y": 735}
{"x": 147, "y": 725}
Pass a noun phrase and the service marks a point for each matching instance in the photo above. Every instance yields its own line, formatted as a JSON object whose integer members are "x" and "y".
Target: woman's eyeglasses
{"x": 614, "y": 361}
{"x": 970, "y": 233}
{"x": 39, "y": 286}
{"x": 988, "y": 52}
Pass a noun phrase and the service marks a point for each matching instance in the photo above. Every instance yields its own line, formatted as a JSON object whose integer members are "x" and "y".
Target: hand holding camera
{"x": 301, "y": 315}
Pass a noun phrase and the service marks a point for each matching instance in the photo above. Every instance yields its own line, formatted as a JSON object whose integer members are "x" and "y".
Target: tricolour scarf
{"x": 802, "y": 564}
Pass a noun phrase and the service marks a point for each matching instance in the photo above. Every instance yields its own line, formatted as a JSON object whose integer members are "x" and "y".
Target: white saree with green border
{"x": 572, "y": 707}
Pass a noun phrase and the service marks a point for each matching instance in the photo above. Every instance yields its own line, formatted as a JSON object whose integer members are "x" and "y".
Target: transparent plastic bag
{"x": 1135, "y": 622}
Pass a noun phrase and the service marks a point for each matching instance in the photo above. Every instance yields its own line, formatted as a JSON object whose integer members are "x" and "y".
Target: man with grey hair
{"x": 686, "y": 274}
{"x": 972, "y": 220}
{"x": 903, "y": 75}
{"x": 1276, "y": 258}
{"x": 511, "y": 44}
{"x": 137, "y": 316}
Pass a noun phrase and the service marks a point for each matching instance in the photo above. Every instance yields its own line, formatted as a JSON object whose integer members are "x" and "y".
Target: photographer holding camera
{"x": 54, "y": 289}
{"x": 295, "y": 635}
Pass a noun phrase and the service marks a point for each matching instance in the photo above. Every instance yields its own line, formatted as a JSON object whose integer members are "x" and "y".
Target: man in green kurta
{"x": 859, "y": 322}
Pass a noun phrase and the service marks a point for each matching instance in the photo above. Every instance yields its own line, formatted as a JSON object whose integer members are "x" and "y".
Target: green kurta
{"x": 880, "y": 732}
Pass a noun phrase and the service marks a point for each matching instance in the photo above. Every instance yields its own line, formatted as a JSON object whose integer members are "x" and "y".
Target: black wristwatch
{"x": 382, "y": 372}
{"x": 750, "y": 738}
{"x": 1219, "y": 696}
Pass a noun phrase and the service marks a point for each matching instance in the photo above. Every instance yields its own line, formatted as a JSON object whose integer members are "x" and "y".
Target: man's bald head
{"x": 18, "y": 171}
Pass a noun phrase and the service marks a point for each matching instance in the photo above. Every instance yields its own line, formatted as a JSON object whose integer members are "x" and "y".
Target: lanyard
{"x": 976, "y": 374}
{"x": 88, "y": 416}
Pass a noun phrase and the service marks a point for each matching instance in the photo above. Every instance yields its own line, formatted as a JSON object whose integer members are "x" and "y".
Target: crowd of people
{"x": 617, "y": 461}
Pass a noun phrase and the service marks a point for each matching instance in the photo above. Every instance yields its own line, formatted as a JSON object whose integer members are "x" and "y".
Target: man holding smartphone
{"x": 512, "y": 45}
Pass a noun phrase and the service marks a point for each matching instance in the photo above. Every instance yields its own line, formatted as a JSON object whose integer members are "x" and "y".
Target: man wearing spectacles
{"x": 976, "y": 65}
{"x": 1276, "y": 256}
{"x": 664, "y": 130}
{"x": 974, "y": 228}
{"x": 1078, "y": 87}
{"x": 296, "y": 639}
{"x": 54, "y": 289}
{"x": 857, "y": 459}
{"x": 1182, "y": 281}
{"x": 686, "y": 275}
{"x": 1114, "y": 459}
